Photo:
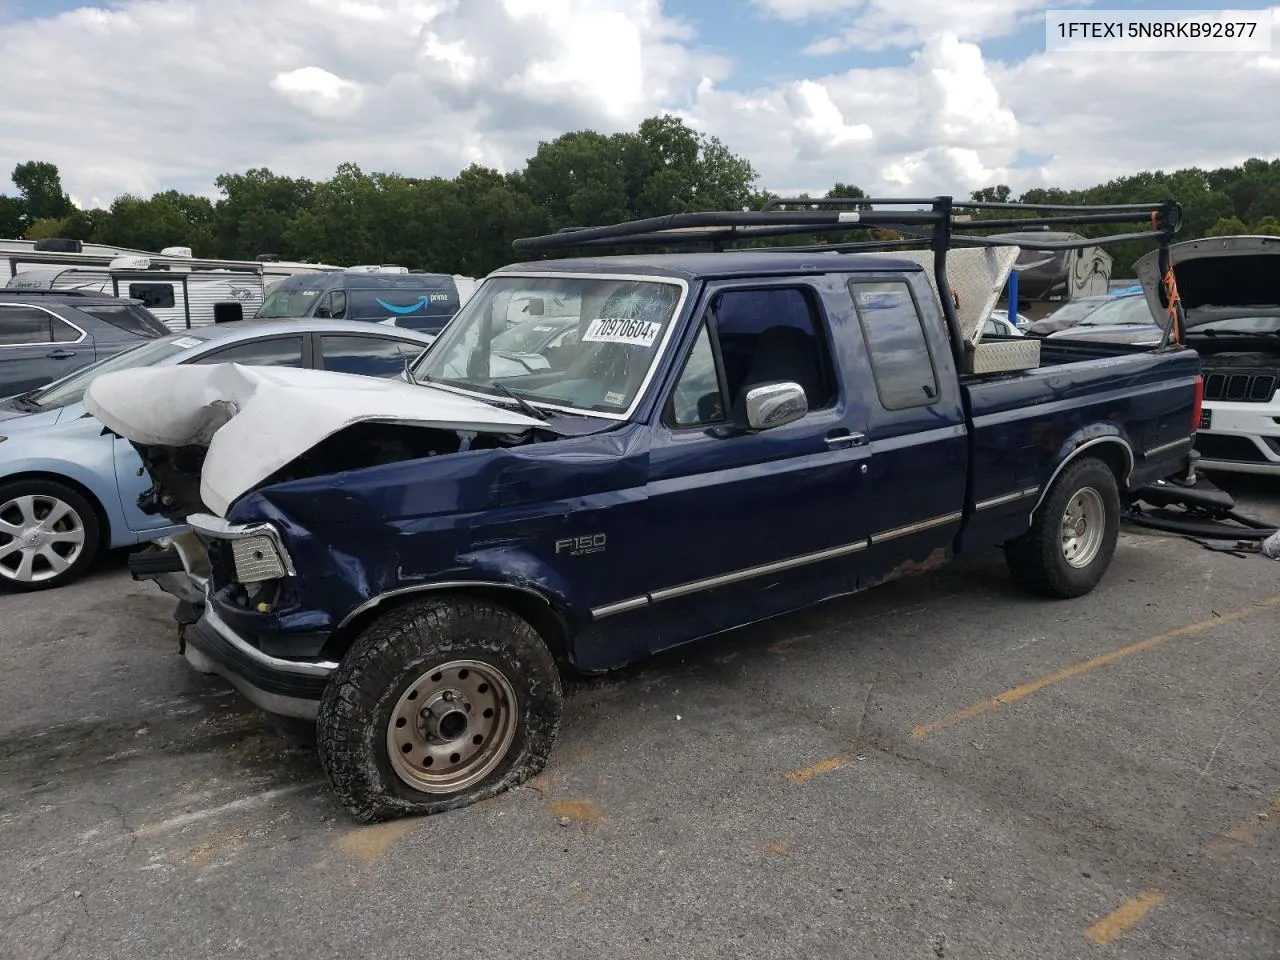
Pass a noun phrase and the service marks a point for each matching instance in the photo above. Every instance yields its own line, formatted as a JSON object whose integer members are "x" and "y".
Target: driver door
{"x": 746, "y": 525}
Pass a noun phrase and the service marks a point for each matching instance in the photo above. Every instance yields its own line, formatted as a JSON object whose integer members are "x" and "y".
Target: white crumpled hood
{"x": 255, "y": 420}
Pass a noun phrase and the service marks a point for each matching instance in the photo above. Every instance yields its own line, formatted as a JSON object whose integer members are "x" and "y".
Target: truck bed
{"x": 1133, "y": 404}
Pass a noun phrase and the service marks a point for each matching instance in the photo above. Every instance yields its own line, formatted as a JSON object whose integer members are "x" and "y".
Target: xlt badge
{"x": 580, "y": 546}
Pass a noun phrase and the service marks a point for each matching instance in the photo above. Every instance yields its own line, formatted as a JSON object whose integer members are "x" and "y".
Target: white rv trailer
{"x": 182, "y": 298}
{"x": 20, "y": 255}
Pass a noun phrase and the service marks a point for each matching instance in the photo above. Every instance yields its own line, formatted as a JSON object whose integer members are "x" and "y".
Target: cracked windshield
{"x": 588, "y": 344}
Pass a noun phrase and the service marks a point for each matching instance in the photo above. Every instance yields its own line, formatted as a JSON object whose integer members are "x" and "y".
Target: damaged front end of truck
{"x": 256, "y": 461}
{"x": 316, "y": 502}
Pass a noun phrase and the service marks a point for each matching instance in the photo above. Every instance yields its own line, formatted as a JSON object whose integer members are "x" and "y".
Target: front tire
{"x": 49, "y": 534}
{"x": 1073, "y": 533}
{"x": 440, "y": 703}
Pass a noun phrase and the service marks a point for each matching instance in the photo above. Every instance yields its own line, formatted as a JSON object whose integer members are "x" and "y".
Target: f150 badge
{"x": 580, "y": 546}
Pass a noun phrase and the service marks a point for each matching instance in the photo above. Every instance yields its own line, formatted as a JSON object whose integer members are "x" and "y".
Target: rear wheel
{"x": 1073, "y": 533}
{"x": 48, "y": 534}
{"x": 439, "y": 703}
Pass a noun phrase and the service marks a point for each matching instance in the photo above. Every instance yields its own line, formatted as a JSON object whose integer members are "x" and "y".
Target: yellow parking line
{"x": 1124, "y": 917}
{"x": 1013, "y": 694}
{"x": 813, "y": 770}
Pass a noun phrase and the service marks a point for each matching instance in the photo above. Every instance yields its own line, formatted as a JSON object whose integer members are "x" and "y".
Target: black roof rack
{"x": 933, "y": 219}
{"x": 939, "y": 223}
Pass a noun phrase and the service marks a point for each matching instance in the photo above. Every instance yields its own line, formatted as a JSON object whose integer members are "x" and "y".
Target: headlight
{"x": 256, "y": 559}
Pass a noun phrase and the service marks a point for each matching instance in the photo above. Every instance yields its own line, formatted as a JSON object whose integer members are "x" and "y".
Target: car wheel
{"x": 440, "y": 703}
{"x": 1073, "y": 533}
{"x": 48, "y": 534}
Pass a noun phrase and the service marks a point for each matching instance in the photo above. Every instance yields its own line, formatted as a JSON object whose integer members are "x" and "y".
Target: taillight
{"x": 1197, "y": 404}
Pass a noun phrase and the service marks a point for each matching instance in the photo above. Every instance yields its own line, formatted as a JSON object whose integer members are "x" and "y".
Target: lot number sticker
{"x": 639, "y": 333}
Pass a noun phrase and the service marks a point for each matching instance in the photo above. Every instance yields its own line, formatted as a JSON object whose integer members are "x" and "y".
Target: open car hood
{"x": 256, "y": 420}
{"x": 1219, "y": 278}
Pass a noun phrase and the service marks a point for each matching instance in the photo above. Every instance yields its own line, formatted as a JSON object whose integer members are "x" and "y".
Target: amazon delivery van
{"x": 380, "y": 294}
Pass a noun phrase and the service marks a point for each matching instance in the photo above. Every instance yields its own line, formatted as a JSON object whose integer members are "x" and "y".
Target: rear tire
{"x": 440, "y": 703}
{"x": 1073, "y": 533}
{"x": 49, "y": 534}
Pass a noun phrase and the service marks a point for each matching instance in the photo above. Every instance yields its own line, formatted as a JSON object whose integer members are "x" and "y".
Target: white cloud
{"x": 151, "y": 95}
{"x": 170, "y": 93}
{"x": 878, "y": 24}
{"x": 818, "y": 121}
{"x": 938, "y": 124}
{"x": 953, "y": 121}
{"x": 318, "y": 91}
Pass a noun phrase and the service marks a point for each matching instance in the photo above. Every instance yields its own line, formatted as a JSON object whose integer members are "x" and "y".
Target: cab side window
{"x": 24, "y": 325}
{"x": 277, "y": 352}
{"x": 698, "y": 399}
{"x": 760, "y": 336}
{"x": 901, "y": 364}
{"x": 333, "y": 306}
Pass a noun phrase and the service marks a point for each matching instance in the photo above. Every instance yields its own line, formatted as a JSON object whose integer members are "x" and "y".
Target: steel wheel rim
{"x": 1084, "y": 526}
{"x": 452, "y": 726}
{"x": 41, "y": 537}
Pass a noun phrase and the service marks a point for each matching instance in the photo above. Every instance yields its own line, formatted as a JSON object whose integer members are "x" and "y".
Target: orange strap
{"x": 1171, "y": 292}
{"x": 1170, "y": 288}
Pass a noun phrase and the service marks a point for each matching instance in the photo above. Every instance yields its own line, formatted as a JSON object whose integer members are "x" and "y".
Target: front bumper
{"x": 285, "y": 687}
{"x": 289, "y": 688}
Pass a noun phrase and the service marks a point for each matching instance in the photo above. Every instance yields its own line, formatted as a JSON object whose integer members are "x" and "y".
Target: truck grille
{"x": 1241, "y": 387}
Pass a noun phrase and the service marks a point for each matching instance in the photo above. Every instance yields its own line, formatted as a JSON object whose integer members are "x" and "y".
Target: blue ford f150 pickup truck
{"x": 727, "y": 436}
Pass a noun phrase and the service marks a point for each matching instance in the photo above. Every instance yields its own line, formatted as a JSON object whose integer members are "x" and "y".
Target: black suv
{"x": 47, "y": 334}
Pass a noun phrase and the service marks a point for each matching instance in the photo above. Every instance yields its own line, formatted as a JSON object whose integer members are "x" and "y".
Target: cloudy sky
{"x": 899, "y": 96}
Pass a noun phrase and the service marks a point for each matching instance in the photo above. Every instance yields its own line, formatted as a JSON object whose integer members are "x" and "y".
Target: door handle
{"x": 842, "y": 441}
{"x": 60, "y": 354}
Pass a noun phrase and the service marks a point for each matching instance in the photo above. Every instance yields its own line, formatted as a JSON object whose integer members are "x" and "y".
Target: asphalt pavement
{"x": 943, "y": 767}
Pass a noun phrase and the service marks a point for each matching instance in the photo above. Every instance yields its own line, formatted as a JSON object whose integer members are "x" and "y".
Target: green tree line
{"x": 465, "y": 224}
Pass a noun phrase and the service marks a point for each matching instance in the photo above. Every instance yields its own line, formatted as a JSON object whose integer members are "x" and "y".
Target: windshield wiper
{"x": 524, "y": 404}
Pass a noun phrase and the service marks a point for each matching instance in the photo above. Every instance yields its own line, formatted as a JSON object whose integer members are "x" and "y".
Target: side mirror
{"x": 775, "y": 404}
